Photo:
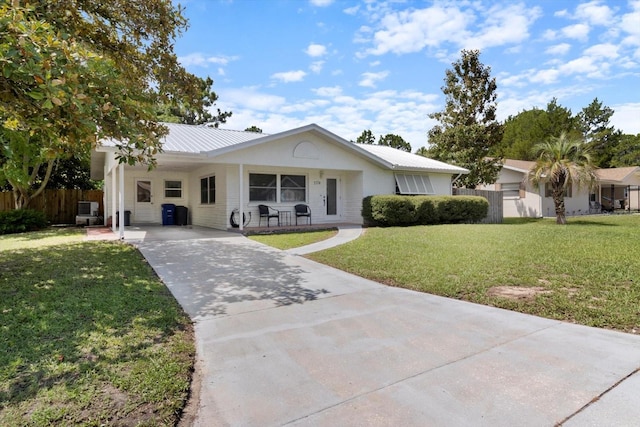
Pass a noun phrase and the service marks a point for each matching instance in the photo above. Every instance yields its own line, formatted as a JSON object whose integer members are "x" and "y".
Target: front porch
{"x": 613, "y": 198}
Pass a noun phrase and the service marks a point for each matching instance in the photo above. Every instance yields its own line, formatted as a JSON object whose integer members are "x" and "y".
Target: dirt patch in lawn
{"x": 517, "y": 293}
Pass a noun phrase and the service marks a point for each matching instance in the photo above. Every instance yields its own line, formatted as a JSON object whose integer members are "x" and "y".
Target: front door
{"x": 144, "y": 207}
{"x": 332, "y": 198}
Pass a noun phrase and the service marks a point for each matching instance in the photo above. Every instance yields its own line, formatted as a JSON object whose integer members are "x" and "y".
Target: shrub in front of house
{"x": 21, "y": 220}
{"x": 388, "y": 210}
{"x": 396, "y": 210}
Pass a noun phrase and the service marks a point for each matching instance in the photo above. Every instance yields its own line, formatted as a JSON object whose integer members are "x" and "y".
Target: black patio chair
{"x": 304, "y": 211}
{"x": 268, "y": 212}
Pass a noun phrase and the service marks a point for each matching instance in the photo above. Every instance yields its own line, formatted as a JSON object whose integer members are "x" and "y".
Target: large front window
{"x": 262, "y": 187}
{"x": 277, "y": 188}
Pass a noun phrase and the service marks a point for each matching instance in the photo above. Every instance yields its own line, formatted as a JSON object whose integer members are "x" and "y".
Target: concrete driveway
{"x": 282, "y": 340}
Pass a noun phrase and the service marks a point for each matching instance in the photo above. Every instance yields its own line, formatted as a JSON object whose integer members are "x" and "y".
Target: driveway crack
{"x": 598, "y": 397}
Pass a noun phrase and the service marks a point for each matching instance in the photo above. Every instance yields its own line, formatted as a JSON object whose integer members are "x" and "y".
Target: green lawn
{"x": 88, "y": 335}
{"x": 286, "y": 241}
{"x": 587, "y": 272}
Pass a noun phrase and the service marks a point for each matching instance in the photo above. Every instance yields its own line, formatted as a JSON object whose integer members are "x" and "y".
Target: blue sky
{"x": 351, "y": 65}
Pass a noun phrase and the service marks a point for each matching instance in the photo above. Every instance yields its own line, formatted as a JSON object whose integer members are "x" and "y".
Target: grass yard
{"x": 587, "y": 272}
{"x": 286, "y": 241}
{"x": 88, "y": 335}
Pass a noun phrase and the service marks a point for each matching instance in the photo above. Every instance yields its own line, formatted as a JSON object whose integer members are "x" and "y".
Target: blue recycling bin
{"x": 168, "y": 213}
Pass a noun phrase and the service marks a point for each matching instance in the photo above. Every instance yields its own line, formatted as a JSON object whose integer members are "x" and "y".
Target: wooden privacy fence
{"x": 494, "y": 215}
{"x": 59, "y": 206}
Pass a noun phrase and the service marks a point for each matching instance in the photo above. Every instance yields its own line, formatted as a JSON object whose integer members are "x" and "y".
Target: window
{"x": 208, "y": 190}
{"x": 510, "y": 190}
{"x": 413, "y": 184}
{"x": 173, "y": 189}
{"x": 547, "y": 191}
{"x": 262, "y": 187}
{"x": 293, "y": 188}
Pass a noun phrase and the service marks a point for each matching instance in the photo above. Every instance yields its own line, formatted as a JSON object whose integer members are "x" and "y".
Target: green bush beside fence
{"x": 21, "y": 220}
{"x": 395, "y": 210}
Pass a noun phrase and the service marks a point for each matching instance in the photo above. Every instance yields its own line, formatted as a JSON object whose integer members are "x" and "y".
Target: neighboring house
{"x": 616, "y": 189}
{"x": 216, "y": 171}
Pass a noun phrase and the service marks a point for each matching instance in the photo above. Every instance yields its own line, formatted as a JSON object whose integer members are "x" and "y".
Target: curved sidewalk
{"x": 346, "y": 233}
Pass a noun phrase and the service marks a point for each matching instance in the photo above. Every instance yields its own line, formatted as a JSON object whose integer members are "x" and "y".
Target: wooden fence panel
{"x": 59, "y": 206}
{"x": 495, "y": 213}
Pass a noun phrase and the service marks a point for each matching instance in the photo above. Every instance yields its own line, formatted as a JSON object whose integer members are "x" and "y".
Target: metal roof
{"x": 190, "y": 139}
{"x": 401, "y": 160}
{"x": 197, "y": 139}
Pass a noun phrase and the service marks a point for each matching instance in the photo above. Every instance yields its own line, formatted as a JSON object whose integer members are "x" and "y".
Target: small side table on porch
{"x": 284, "y": 218}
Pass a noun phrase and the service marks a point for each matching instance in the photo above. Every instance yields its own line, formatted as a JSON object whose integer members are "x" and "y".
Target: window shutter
{"x": 523, "y": 190}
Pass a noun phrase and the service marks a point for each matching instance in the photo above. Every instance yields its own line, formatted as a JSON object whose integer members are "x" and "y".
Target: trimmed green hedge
{"x": 21, "y": 220}
{"x": 395, "y": 210}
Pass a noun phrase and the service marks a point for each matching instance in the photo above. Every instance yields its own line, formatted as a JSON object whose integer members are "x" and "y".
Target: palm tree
{"x": 562, "y": 162}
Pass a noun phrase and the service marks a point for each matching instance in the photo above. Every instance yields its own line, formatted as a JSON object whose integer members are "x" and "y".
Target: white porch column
{"x": 121, "y": 200}
{"x": 241, "y": 207}
{"x": 113, "y": 199}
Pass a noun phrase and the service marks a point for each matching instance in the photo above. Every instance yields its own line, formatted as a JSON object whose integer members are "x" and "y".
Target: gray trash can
{"x": 127, "y": 218}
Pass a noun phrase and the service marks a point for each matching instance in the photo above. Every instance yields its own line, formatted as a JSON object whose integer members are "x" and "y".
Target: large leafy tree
{"x": 602, "y": 137}
{"x": 366, "y": 137}
{"x": 390, "y": 140}
{"x": 77, "y": 71}
{"x": 626, "y": 151}
{"x": 521, "y": 133}
{"x": 468, "y": 128}
{"x": 395, "y": 141}
{"x": 199, "y": 114}
{"x": 562, "y": 162}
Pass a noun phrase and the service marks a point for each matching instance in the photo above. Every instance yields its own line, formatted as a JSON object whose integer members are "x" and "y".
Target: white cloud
{"x": 251, "y": 98}
{"x": 289, "y": 76}
{"x": 558, "y": 49}
{"x": 412, "y": 30}
{"x": 321, "y": 3}
{"x": 504, "y": 25}
{"x": 604, "y": 50}
{"x": 352, "y": 10}
{"x": 328, "y": 91}
{"x": 594, "y": 13}
{"x": 625, "y": 118}
{"x": 576, "y": 31}
{"x": 200, "y": 60}
{"x": 544, "y": 76}
{"x": 583, "y": 65}
{"x": 316, "y": 66}
{"x": 316, "y": 50}
{"x": 371, "y": 79}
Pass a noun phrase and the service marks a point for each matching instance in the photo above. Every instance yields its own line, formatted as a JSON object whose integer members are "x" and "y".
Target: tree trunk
{"x": 22, "y": 196}
{"x": 558, "y": 200}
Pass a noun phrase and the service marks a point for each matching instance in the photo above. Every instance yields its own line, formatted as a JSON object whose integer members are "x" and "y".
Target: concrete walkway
{"x": 282, "y": 340}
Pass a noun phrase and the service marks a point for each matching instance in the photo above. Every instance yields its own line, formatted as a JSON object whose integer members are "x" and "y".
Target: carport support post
{"x": 241, "y": 208}
{"x": 113, "y": 198}
{"x": 121, "y": 200}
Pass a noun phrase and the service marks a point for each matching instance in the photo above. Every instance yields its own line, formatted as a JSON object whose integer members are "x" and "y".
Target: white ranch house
{"x": 617, "y": 189}
{"x": 213, "y": 172}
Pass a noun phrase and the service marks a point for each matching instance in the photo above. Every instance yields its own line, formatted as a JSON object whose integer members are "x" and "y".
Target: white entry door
{"x": 332, "y": 199}
{"x": 144, "y": 207}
